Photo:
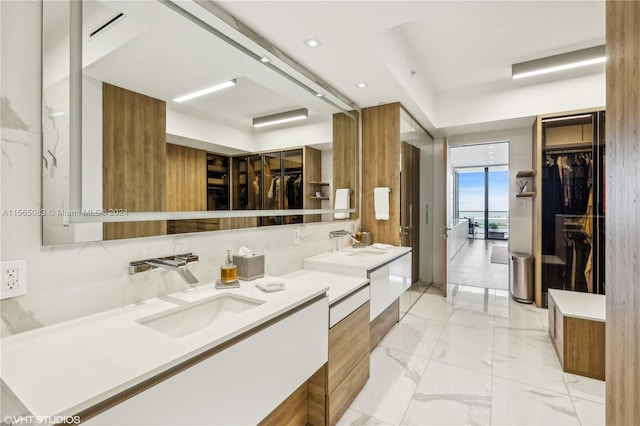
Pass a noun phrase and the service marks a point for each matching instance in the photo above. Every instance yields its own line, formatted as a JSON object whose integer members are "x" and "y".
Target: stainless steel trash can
{"x": 521, "y": 282}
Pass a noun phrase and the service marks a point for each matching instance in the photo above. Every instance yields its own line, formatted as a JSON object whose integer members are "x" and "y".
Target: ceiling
{"x": 425, "y": 54}
{"x": 491, "y": 154}
{"x": 156, "y": 52}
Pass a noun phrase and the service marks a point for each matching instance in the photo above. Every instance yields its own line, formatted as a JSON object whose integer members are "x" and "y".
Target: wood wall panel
{"x": 622, "y": 218}
{"x": 186, "y": 178}
{"x": 381, "y": 168}
{"x": 134, "y": 158}
{"x": 346, "y": 171}
{"x": 536, "y": 132}
{"x": 238, "y": 222}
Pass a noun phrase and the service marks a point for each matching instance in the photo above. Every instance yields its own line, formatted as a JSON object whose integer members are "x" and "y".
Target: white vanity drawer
{"x": 341, "y": 309}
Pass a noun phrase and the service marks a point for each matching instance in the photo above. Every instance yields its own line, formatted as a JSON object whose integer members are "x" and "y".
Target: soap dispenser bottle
{"x": 228, "y": 271}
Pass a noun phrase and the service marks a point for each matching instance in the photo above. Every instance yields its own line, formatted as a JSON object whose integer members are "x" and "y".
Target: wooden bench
{"x": 577, "y": 331}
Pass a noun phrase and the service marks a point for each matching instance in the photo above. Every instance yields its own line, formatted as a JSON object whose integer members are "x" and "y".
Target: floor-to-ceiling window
{"x": 482, "y": 196}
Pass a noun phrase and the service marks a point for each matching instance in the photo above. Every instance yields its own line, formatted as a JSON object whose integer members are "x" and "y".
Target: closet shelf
{"x": 319, "y": 198}
{"x": 318, "y": 183}
{"x": 526, "y": 173}
{"x": 526, "y": 194}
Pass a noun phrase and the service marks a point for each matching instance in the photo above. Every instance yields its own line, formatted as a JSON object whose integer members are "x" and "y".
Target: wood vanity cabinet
{"x": 335, "y": 386}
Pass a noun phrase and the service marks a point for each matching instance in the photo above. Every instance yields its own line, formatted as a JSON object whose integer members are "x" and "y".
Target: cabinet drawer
{"x": 348, "y": 343}
{"x": 340, "y": 399}
{"x": 339, "y": 311}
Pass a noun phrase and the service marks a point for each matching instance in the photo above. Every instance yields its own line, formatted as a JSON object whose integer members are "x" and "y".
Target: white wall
{"x": 207, "y": 129}
{"x": 515, "y": 100}
{"x": 304, "y": 134}
{"x": 69, "y": 281}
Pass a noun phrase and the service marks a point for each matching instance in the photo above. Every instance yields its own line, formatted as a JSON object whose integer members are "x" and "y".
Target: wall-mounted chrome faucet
{"x": 176, "y": 263}
{"x": 342, "y": 233}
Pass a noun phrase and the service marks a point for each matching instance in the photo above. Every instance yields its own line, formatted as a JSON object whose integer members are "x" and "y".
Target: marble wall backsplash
{"x": 70, "y": 281}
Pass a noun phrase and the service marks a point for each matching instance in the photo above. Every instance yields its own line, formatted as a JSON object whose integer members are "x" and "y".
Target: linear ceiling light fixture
{"x": 282, "y": 117}
{"x": 206, "y": 91}
{"x": 564, "y": 61}
{"x": 568, "y": 117}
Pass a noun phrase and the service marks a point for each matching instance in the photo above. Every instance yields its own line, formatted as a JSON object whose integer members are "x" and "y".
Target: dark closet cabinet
{"x": 571, "y": 207}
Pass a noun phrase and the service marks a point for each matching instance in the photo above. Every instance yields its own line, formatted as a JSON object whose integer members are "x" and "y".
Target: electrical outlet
{"x": 297, "y": 236}
{"x": 14, "y": 279}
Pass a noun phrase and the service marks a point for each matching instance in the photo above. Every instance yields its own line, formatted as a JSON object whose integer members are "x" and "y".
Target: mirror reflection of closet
{"x": 122, "y": 65}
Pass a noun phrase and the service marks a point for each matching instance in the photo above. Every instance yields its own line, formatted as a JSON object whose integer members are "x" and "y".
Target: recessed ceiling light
{"x": 206, "y": 91}
{"x": 490, "y": 146}
{"x": 319, "y": 95}
{"x": 490, "y": 152}
{"x": 265, "y": 59}
{"x": 362, "y": 84}
{"x": 313, "y": 42}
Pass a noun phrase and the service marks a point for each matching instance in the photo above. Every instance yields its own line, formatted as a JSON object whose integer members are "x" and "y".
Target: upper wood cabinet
{"x": 134, "y": 160}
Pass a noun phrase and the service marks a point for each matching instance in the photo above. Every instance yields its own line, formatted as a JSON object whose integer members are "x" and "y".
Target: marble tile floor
{"x": 472, "y": 266}
{"x": 481, "y": 359}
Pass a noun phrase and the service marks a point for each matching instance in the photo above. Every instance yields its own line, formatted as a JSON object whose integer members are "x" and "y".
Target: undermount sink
{"x": 184, "y": 320}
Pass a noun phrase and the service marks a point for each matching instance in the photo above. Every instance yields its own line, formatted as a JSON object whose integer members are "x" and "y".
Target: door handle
{"x": 444, "y": 231}
{"x": 427, "y": 213}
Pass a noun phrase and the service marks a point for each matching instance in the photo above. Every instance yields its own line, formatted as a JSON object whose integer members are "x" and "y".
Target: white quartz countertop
{"x": 340, "y": 286}
{"x": 66, "y": 368}
{"x": 354, "y": 259}
{"x": 580, "y": 305}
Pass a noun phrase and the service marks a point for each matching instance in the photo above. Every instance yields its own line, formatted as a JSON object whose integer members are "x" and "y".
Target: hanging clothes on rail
{"x": 552, "y": 204}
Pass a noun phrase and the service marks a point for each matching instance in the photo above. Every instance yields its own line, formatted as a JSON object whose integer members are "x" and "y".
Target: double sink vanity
{"x": 206, "y": 356}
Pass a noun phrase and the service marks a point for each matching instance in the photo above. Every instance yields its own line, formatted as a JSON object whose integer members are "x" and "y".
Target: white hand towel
{"x": 342, "y": 202}
{"x": 381, "y": 203}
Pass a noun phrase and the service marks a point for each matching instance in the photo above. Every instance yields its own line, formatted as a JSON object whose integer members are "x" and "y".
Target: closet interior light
{"x": 206, "y": 91}
{"x": 282, "y": 117}
{"x": 563, "y": 61}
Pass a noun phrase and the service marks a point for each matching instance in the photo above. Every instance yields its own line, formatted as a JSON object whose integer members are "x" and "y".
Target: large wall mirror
{"x": 131, "y": 149}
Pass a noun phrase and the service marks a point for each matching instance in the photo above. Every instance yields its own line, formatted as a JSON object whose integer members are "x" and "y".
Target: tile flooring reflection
{"x": 481, "y": 360}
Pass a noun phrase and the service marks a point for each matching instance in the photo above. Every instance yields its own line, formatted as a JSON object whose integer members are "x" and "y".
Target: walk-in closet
{"x": 572, "y": 203}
